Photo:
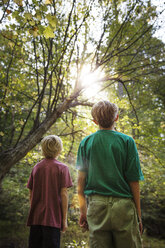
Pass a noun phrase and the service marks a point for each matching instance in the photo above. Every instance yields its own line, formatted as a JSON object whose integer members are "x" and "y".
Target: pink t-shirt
{"x": 46, "y": 180}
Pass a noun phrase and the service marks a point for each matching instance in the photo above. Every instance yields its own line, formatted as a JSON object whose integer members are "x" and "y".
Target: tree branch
{"x": 3, "y": 16}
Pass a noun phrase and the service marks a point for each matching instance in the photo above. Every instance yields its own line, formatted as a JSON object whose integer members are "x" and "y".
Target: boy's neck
{"x": 108, "y": 128}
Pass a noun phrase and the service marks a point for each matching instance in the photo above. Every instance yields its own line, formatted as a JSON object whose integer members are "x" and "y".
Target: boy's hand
{"x": 141, "y": 227}
{"x": 64, "y": 226}
{"x": 83, "y": 222}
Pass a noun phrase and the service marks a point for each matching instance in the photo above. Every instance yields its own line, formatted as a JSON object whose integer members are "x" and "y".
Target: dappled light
{"x": 91, "y": 83}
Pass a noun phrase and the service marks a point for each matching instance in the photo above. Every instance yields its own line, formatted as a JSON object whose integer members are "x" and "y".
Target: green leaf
{"x": 1, "y": 134}
{"x": 19, "y": 2}
{"x": 28, "y": 16}
{"x": 41, "y": 29}
{"x": 48, "y": 2}
{"x": 52, "y": 20}
{"x": 32, "y": 22}
{"x": 48, "y": 32}
{"x": 39, "y": 17}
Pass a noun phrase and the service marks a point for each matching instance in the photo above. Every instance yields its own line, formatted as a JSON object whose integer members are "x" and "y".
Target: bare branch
{"x": 36, "y": 60}
{"x": 126, "y": 48}
{"x": 150, "y": 151}
{"x": 69, "y": 21}
{"x": 4, "y": 12}
{"x": 117, "y": 33}
{"x": 71, "y": 133}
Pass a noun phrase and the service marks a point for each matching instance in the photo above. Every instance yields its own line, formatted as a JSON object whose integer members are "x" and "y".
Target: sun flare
{"x": 91, "y": 82}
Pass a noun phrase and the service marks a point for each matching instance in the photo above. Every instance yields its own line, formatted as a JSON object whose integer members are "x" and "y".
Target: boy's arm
{"x": 135, "y": 188}
{"x": 64, "y": 203}
{"x": 82, "y": 200}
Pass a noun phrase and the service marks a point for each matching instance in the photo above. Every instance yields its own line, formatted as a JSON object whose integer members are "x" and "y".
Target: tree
{"x": 36, "y": 87}
{"x": 44, "y": 46}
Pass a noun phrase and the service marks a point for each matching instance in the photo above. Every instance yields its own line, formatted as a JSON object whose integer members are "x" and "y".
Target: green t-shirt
{"x": 111, "y": 161}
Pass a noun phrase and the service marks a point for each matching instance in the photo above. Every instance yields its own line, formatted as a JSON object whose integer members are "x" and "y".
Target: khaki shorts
{"x": 113, "y": 223}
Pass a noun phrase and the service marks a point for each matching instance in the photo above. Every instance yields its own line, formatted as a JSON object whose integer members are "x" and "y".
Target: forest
{"x": 58, "y": 58}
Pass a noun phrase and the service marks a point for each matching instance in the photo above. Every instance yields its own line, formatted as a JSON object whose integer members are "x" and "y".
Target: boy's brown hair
{"x": 51, "y": 146}
{"x": 105, "y": 113}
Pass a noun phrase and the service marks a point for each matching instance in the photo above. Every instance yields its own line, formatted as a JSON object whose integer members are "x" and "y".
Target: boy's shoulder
{"x": 125, "y": 138}
{"x": 39, "y": 163}
{"x": 50, "y": 162}
{"x": 87, "y": 137}
{"x": 118, "y": 135}
{"x": 123, "y": 135}
{"x": 60, "y": 164}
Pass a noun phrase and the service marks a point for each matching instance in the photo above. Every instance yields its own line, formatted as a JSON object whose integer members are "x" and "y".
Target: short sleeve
{"x": 66, "y": 181}
{"x": 133, "y": 170}
{"x": 81, "y": 159}
{"x": 30, "y": 182}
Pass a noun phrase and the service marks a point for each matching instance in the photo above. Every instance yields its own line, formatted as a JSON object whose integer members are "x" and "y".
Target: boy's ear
{"x": 95, "y": 122}
{"x": 117, "y": 117}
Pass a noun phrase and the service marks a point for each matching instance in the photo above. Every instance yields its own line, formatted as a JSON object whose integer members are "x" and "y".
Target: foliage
{"x": 74, "y": 237}
{"x": 37, "y": 47}
{"x": 14, "y": 197}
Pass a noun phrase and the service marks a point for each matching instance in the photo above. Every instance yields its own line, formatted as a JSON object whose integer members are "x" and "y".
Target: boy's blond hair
{"x": 51, "y": 146}
{"x": 105, "y": 113}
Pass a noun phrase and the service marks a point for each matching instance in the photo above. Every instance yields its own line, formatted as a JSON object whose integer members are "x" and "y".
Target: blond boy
{"x": 109, "y": 174}
{"x": 48, "y": 185}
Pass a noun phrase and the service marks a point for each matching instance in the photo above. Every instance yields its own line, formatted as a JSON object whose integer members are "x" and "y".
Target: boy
{"x": 48, "y": 185}
{"x": 109, "y": 174}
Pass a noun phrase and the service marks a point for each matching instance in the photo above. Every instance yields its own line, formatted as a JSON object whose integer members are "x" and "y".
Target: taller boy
{"x": 109, "y": 174}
